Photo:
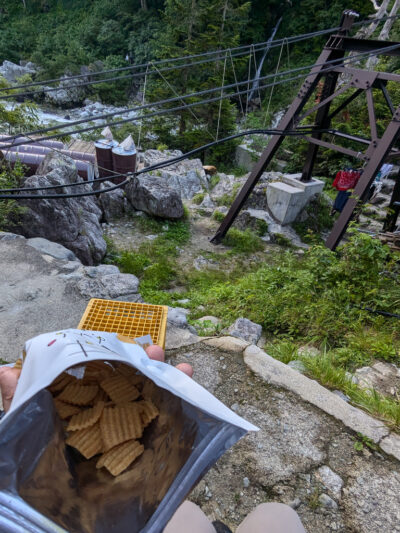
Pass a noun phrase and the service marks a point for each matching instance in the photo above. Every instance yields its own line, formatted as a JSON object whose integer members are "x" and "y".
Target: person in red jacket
{"x": 344, "y": 181}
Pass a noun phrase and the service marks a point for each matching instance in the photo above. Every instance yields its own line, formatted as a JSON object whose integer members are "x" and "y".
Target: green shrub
{"x": 318, "y": 220}
{"x": 243, "y": 241}
{"x": 218, "y": 216}
{"x": 133, "y": 263}
{"x": 214, "y": 181}
{"x": 282, "y": 240}
{"x": 198, "y": 198}
{"x": 261, "y": 227}
{"x": 10, "y": 210}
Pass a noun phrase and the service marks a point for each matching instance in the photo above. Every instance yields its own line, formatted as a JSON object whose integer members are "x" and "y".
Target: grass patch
{"x": 330, "y": 370}
{"x": 206, "y": 328}
{"x": 315, "y": 298}
{"x": 318, "y": 220}
{"x": 243, "y": 241}
{"x": 214, "y": 180}
{"x": 218, "y": 216}
{"x": 198, "y": 198}
{"x": 133, "y": 263}
{"x": 155, "y": 261}
{"x": 148, "y": 224}
{"x": 282, "y": 240}
{"x": 227, "y": 198}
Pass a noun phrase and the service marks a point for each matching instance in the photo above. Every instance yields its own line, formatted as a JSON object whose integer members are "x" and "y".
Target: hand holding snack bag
{"x": 118, "y": 448}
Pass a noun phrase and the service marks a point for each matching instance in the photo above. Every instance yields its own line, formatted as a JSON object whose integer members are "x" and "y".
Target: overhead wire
{"x": 332, "y": 64}
{"x": 254, "y": 47}
{"x": 260, "y": 46}
{"x": 224, "y": 140}
{"x": 156, "y": 166}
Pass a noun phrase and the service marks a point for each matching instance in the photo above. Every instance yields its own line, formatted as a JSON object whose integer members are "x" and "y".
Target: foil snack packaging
{"x": 48, "y": 486}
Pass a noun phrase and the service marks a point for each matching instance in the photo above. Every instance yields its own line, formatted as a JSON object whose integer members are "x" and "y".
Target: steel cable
{"x": 351, "y": 59}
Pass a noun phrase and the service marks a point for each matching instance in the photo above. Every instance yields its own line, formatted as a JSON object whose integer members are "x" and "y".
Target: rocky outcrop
{"x": 186, "y": 177}
{"x": 72, "y": 222}
{"x": 223, "y": 187}
{"x": 383, "y": 377}
{"x": 245, "y": 329}
{"x": 114, "y": 204}
{"x": 68, "y": 93}
{"x": 44, "y": 287}
{"x": 104, "y": 281}
{"x": 148, "y": 193}
{"x": 11, "y": 72}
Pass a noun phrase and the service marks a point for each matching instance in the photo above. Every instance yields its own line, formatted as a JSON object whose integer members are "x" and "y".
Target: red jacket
{"x": 346, "y": 179}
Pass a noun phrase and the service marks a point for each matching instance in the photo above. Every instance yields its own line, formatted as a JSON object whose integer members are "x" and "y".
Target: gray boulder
{"x": 114, "y": 204}
{"x": 186, "y": 177}
{"x": 152, "y": 157}
{"x": 72, "y": 222}
{"x": 223, "y": 187}
{"x": 207, "y": 203}
{"x": 245, "y": 329}
{"x": 68, "y": 94}
{"x": 148, "y": 193}
{"x": 114, "y": 286}
{"x": 11, "y": 72}
{"x": 258, "y": 198}
{"x": 51, "y": 248}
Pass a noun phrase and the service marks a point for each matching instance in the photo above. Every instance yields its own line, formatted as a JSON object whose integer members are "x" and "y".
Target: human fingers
{"x": 8, "y": 383}
{"x": 155, "y": 352}
{"x": 185, "y": 368}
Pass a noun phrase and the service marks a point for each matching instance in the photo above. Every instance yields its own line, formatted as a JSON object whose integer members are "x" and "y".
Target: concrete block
{"x": 246, "y": 157}
{"x": 310, "y": 188}
{"x": 284, "y": 201}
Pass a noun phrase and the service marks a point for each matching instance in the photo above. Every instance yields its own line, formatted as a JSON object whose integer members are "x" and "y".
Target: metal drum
{"x": 104, "y": 156}
{"x": 124, "y": 161}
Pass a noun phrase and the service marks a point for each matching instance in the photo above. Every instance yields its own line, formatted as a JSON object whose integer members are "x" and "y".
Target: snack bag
{"x": 100, "y": 438}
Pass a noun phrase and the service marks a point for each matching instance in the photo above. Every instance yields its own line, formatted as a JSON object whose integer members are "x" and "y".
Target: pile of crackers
{"x": 105, "y": 412}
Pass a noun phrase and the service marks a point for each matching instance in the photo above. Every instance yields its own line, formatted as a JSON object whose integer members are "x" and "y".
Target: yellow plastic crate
{"x": 130, "y": 319}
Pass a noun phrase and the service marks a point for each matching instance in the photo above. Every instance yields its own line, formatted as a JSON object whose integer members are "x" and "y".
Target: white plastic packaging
{"x": 42, "y": 488}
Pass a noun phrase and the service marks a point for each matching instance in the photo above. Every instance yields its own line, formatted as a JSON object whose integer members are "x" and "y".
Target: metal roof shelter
{"x": 373, "y": 152}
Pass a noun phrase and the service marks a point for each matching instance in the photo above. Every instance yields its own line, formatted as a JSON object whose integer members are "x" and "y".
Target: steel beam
{"x": 322, "y": 120}
{"x": 386, "y": 96}
{"x": 287, "y": 122}
{"x": 352, "y": 44}
{"x": 324, "y": 102}
{"x": 378, "y": 149}
{"x": 375, "y": 156}
{"x": 345, "y": 103}
{"x": 349, "y": 137}
{"x": 371, "y": 114}
{"x": 359, "y": 74}
{"x": 394, "y": 206}
{"x": 342, "y": 149}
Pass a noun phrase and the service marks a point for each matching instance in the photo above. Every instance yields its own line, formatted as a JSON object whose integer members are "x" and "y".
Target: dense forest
{"x": 65, "y": 34}
{"x": 62, "y": 36}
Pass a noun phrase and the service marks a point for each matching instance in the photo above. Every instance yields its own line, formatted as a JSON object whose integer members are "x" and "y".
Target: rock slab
{"x": 71, "y": 222}
{"x": 148, "y": 193}
{"x": 245, "y": 329}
